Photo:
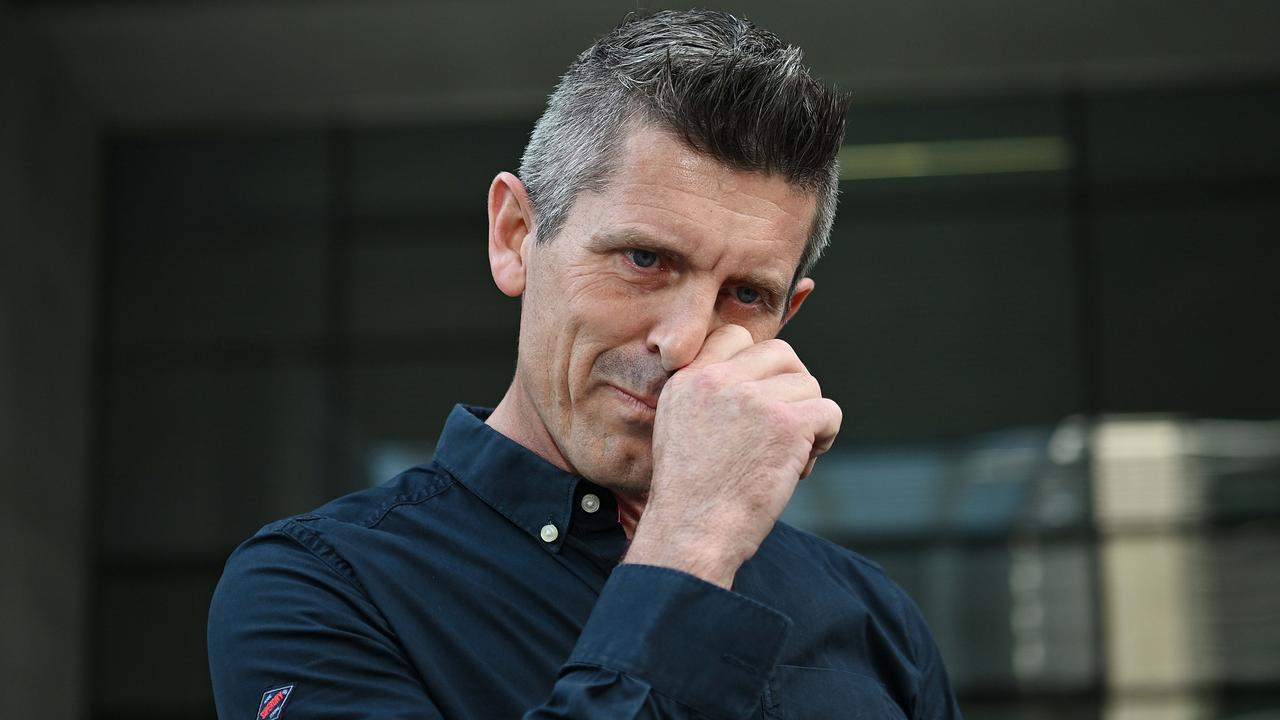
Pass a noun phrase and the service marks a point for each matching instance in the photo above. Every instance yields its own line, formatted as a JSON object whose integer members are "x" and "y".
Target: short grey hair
{"x": 732, "y": 91}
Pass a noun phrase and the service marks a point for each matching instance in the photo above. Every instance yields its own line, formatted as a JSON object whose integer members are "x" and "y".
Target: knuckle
{"x": 746, "y": 397}
{"x": 709, "y": 380}
{"x": 779, "y": 416}
{"x": 815, "y": 385}
{"x": 778, "y": 345}
{"x": 715, "y": 375}
{"x": 783, "y": 350}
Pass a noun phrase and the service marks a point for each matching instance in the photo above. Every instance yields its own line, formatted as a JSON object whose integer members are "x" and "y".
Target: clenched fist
{"x": 735, "y": 431}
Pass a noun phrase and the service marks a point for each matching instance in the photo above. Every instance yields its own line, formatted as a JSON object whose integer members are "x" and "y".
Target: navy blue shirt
{"x": 487, "y": 585}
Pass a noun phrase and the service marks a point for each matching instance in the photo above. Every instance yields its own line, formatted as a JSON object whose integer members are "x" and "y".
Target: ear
{"x": 803, "y": 288}
{"x": 510, "y": 229}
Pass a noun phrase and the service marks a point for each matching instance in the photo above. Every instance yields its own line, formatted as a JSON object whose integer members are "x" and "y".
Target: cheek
{"x": 599, "y": 328}
{"x": 575, "y": 316}
{"x": 606, "y": 309}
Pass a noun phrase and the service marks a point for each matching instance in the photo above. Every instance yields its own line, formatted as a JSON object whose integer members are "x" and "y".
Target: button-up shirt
{"x": 487, "y": 584}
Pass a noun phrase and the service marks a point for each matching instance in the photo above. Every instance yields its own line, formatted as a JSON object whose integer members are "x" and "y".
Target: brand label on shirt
{"x": 273, "y": 702}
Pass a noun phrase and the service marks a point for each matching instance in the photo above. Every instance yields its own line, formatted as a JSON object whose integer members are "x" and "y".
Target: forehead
{"x": 661, "y": 187}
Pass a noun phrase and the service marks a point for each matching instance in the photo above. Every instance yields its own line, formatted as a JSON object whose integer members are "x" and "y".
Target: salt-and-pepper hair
{"x": 732, "y": 91}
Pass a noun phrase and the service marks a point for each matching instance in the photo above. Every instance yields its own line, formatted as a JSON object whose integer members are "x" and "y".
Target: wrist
{"x": 699, "y": 556}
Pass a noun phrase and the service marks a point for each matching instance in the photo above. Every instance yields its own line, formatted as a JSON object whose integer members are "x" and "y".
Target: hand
{"x": 735, "y": 431}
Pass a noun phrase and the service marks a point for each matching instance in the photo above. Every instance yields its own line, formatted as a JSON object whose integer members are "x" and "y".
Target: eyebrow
{"x": 621, "y": 238}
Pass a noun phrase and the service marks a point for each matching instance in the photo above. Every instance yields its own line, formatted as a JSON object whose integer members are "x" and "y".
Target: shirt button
{"x": 549, "y": 533}
{"x": 590, "y": 502}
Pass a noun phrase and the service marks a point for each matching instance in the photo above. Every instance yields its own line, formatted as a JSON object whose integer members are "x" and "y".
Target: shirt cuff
{"x": 701, "y": 645}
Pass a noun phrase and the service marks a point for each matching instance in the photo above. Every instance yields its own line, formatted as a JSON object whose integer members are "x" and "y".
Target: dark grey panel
{"x": 429, "y": 288}
{"x": 184, "y": 295}
{"x": 969, "y": 118}
{"x": 1189, "y": 304}
{"x": 420, "y": 171}
{"x": 149, "y": 646}
{"x": 165, "y": 188}
{"x": 944, "y": 327}
{"x": 199, "y": 459}
{"x": 1187, "y": 135}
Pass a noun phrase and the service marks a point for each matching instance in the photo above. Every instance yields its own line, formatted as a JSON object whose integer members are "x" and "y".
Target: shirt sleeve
{"x": 283, "y": 616}
{"x": 663, "y": 644}
{"x": 934, "y": 697}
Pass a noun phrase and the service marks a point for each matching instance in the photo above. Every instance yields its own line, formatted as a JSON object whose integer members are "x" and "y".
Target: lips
{"x": 649, "y": 401}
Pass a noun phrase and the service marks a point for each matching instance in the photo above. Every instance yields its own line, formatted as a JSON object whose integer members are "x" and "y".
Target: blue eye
{"x": 746, "y": 295}
{"x": 643, "y": 258}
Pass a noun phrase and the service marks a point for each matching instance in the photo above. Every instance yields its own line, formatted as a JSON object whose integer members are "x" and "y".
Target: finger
{"x": 823, "y": 417}
{"x": 766, "y": 359}
{"x": 723, "y": 343}
{"x": 788, "y": 387}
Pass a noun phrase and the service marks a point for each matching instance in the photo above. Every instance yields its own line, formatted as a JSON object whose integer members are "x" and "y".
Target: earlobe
{"x": 803, "y": 288}
{"x": 510, "y": 226}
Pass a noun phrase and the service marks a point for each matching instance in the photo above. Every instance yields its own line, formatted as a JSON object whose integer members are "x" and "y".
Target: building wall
{"x": 48, "y": 184}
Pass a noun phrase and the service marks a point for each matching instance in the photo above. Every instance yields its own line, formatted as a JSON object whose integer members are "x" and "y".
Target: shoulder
{"x": 828, "y": 560}
{"x": 819, "y": 548}
{"x": 369, "y": 507}
{"x": 322, "y": 537}
{"x": 295, "y": 603}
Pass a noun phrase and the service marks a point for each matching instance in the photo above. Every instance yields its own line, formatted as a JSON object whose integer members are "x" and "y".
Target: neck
{"x": 516, "y": 418}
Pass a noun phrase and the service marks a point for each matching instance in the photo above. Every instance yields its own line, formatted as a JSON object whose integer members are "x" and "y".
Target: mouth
{"x": 639, "y": 402}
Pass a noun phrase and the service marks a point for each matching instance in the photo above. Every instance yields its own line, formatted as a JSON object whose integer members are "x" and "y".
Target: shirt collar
{"x": 516, "y": 482}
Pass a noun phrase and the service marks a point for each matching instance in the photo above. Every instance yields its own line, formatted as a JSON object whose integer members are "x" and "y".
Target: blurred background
{"x": 242, "y": 270}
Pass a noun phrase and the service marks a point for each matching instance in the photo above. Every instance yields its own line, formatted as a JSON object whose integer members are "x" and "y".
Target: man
{"x": 604, "y": 544}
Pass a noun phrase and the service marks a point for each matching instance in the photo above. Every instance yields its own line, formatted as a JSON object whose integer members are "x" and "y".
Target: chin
{"x": 625, "y": 484}
{"x": 621, "y": 468}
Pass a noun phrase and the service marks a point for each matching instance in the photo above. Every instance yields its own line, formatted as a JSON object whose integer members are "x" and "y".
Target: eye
{"x": 642, "y": 258}
{"x": 746, "y": 295}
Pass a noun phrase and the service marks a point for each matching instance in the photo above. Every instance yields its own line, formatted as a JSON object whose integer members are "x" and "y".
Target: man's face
{"x": 640, "y": 274}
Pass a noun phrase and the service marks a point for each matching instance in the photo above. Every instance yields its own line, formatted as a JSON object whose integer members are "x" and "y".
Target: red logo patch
{"x": 273, "y": 702}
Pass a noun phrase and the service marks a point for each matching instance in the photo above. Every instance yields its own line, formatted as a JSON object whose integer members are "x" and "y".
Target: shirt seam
{"x": 412, "y": 499}
{"x": 312, "y": 542}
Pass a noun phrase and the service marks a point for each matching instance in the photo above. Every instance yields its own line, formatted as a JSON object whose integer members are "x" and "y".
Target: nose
{"x": 681, "y": 328}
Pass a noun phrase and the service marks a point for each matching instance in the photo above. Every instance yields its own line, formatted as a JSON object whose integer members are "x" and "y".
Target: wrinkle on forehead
{"x": 653, "y": 155}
